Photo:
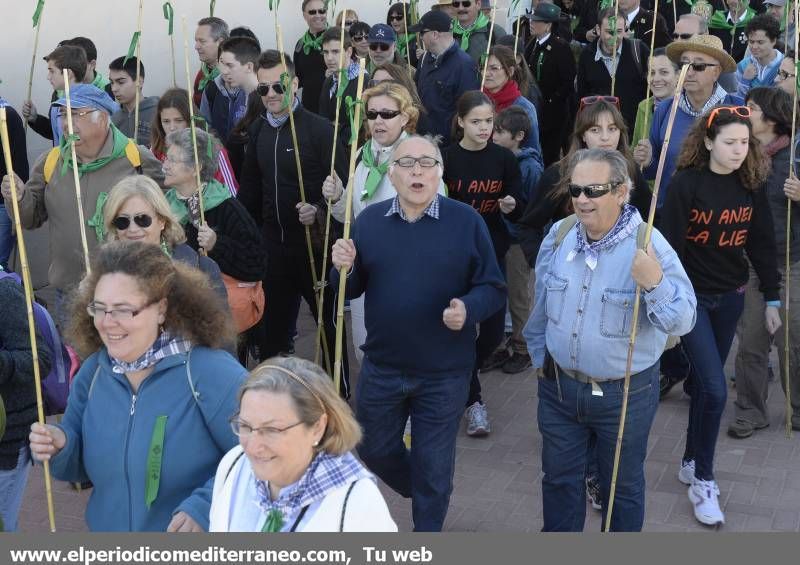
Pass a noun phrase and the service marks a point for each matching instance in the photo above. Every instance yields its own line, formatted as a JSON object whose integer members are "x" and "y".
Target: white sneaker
{"x": 478, "y": 420}
{"x": 686, "y": 474}
{"x": 703, "y": 495}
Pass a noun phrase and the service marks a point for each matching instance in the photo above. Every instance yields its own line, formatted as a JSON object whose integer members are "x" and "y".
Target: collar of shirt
{"x": 432, "y": 210}
{"x": 742, "y": 17}
{"x": 543, "y": 39}
{"x": 632, "y": 15}
{"x": 599, "y": 55}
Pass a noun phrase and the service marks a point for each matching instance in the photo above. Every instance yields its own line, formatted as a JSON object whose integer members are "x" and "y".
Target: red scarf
{"x": 504, "y": 97}
{"x": 776, "y": 145}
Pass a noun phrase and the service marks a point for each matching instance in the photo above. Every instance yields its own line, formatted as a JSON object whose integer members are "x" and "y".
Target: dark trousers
{"x": 492, "y": 330}
{"x": 289, "y": 275}
{"x": 569, "y": 417}
{"x": 385, "y": 398}
{"x": 551, "y": 141}
{"x": 707, "y": 347}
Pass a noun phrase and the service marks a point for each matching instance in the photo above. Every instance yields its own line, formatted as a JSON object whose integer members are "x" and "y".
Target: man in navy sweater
{"x": 429, "y": 273}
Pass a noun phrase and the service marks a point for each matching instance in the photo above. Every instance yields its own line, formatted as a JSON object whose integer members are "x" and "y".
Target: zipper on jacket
{"x": 275, "y": 169}
{"x": 134, "y": 398}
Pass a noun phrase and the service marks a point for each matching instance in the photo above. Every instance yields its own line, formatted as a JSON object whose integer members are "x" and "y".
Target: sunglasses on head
{"x": 384, "y": 114}
{"x": 462, "y": 4}
{"x": 321, "y": 12}
{"x": 591, "y": 190}
{"x": 589, "y": 100}
{"x": 263, "y": 88}
{"x": 124, "y": 222}
{"x": 699, "y": 67}
{"x": 682, "y": 36}
{"x": 741, "y": 111}
{"x": 378, "y": 46}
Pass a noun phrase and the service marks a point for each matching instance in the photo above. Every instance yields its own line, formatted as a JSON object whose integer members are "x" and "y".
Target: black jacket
{"x": 19, "y": 151}
{"x": 642, "y": 28}
{"x": 310, "y": 70}
{"x": 269, "y": 187}
{"x": 553, "y": 66}
{"x": 327, "y": 105}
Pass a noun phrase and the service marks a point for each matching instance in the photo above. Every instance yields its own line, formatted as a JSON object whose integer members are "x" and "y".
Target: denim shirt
{"x": 583, "y": 316}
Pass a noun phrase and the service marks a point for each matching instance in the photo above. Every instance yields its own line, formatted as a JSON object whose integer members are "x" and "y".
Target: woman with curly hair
{"x": 716, "y": 216}
{"x": 147, "y": 416}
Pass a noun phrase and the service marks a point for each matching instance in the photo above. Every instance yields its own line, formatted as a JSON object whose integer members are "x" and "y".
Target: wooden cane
{"x": 309, "y": 248}
{"x": 138, "y": 72}
{"x": 516, "y": 36}
{"x": 38, "y": 17}
{"x": 650, "y": 67}
{"x": 169, "y": 15}
{"x": 348, "y": 212}
{"x": 489, "y": 43}
{"x": 614, "y": 55}
{"x": 189, "y": 87}
{"x": 635, "y": 318}
{"x": 408, "y": 41}
{"x": 323, "y": 273}
{"x": 787, "y": 286}
{"x": 26, "y": 280}
{"x": 75, "y": 175}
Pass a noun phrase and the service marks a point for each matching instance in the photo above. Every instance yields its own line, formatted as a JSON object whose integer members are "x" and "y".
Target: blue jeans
{"x": 707, "y": 347}
{"x": 385, "y": 398}
{"x": 569, "y": 415}
{"x": 6, "y": 237}
{"x": 12, "y": 487}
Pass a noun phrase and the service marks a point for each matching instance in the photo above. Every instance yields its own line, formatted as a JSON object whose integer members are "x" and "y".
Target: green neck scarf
{"x": 274, "y": 521}
{"x": 402, "y": 43}
{"x": 96, "y": 221}
{"x": 310, "y": 42}
{"x": 214, "y": 194}
{"x": 100, "y": 81}
{"x": 376, "y": 172}
{"x": 465, "y": 32}
{"x": 208, "y": 76}
{"x": 120, "y": 141}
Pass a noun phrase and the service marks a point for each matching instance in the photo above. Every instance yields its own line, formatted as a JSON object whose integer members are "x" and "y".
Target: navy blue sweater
{"x": 410, "y": 272}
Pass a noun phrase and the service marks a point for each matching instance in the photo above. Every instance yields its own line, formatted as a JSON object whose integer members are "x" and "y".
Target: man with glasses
{"x": 445, "y": 72}
{"x": 687, "y": 27}
{"x": 424, "y": 295}
{"x": 105, "y": 156}
{"x": 471, "y": 28}
{"x": 382, "y": 42}
{"x": 586, "y": 276}
{"x": 308, "y": 59}
{"x": 270, "y": 190}
{"x": 786, "y": 79}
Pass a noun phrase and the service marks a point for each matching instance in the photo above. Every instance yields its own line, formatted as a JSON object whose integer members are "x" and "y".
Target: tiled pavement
{"x": 497, "y": 481}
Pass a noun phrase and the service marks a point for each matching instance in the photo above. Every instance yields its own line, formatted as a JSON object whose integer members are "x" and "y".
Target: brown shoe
{"x": 741, "y": 429}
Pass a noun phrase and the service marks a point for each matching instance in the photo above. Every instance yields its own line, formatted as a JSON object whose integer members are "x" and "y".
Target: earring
{"x": 315, "y": 444}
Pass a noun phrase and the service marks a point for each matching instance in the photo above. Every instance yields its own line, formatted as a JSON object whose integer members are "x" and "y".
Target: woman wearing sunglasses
{"x": 399, "y": 18}
{"x": 147, "y": 418}
{"x": 346, "y": 18}
{"x": 771, "y": 116}
{"x": 391, "y": 116}
{"x": 717, "y": 218}
{"x": 359, "y": 35}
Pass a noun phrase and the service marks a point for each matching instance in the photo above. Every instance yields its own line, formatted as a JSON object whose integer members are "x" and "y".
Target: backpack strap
{"x": 563, "y": 229}
{"x": 131, "y": 152}
{"x": 51, "y": 162}
{"x": 344, "y": 505}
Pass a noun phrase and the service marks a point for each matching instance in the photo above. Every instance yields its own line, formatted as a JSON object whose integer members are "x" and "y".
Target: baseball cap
{"x": 435, "y": 20}
{"x": 381, "y": 33}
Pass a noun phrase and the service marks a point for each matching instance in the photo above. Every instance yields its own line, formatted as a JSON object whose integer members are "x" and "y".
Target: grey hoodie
{"x": 124, "y": 120}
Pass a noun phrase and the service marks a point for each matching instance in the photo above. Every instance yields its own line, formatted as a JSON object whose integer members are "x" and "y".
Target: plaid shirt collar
{"x": 432, "y": 210}
{"x": 165, "y": 345}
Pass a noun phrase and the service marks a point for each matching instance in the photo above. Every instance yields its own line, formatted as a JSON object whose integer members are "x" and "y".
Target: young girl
{"x": 487, "y": 177}
{"x": 716, "y": 210}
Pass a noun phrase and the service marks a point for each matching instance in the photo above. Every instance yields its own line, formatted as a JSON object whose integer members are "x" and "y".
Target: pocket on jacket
{"x": 616, "y": 313}
{"x": 556, "y": 288}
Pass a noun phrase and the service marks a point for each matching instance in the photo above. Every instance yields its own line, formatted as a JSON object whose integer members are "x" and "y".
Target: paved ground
{"x": 497, "y": 481}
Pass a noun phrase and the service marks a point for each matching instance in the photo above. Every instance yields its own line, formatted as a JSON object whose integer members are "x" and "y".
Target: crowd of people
{"x": 499, "y": 208}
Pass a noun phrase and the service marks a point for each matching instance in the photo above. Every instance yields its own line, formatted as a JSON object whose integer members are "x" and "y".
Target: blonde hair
{"x": 312, "y": 394}
{"x": 400, "y": 95}
{"x": 146, "y": 189}
{"x": 340, "y": 16}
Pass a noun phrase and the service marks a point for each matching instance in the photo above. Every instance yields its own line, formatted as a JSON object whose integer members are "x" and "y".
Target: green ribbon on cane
{"x": 169, "y": 15}
{"x": 210, "y": 144}
{"x": 132, "y": 48}
{"x": 344, "y": 81}
{"x": 37, "y": 14}
{"x": 96, "y": 221}
{"x": 273, "y": 4}
{"x": 154, "y": 455}
{"x": 211, "y": 8}
{"x": 286, "y": 83}
{"x": 274, "y": 521}
{"x": 797, "y": 75}
{"x": 351, "y": 116}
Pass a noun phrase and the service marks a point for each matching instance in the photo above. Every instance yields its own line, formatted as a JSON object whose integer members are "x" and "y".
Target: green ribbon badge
{"x": 96, "y": 221}
{"x": 132, "y": 48}
{"x": 154, "y": 456}
{"x": 37, "y": 14}
{"x": 169, "y": 15}
{"x": 351, "y": 116}
{"x": 274, "y": 521}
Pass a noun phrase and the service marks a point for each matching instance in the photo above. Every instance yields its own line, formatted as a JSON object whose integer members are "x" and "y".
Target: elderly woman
{"x": 229, "y": 235}
{"x": 136, "y": 210}
{"x": 147, "y": 415}
{"x": 586, "y": 276}
{"x": 390, "y": 116}
{"x": 298, "y": 472}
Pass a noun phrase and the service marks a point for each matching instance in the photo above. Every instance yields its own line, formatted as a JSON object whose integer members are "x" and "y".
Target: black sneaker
{"x": 517, "y": 363}
{"x": 496, "y": 360}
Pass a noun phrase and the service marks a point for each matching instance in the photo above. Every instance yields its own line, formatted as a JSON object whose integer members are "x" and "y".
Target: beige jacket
{"x": 56, "y": 203}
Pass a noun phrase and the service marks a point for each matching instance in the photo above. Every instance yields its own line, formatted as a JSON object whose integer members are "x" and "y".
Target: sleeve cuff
{"x": 660, "y": 295}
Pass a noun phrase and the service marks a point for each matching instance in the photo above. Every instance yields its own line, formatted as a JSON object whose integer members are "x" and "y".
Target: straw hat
{"x": 711, "y": 45}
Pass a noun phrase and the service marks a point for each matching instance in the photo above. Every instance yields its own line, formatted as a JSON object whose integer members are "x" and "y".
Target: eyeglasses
{"x": 321, "y": 12}
{"x": 396, "y": 18}
{"x": 359, "y": 38}
{"x": 592, "y": 190}
{"x": 62, "y": 113}
{"x": 263, "y": 88}
{"x": 682, "y": 36}
{"x": 589, "y": 100}
{"x": 462, "y": 4}
{"x": 699, "y": 67}
{"x": 741, "y": 111}
{"x": 267, "y": 432}
{"x": 117, "y": 314}
{"x": 384, "y": 114}
{"x": 424, "y": 162}
{"x": 783, "y": 75}
{"x": 124, "y": 222}
{"x": 378, "y": 46}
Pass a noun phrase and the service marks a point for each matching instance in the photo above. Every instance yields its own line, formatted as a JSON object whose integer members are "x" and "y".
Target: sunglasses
{"x": 741, "y": 111}
{"x": 263, "y": 88}
{"x": 348, "y": 23}
{"x": 592, "y": 190}
{"x": 378, "y": 47}
{"x": 699, "y": 67}
{"x": 321, "y": 12}
{"x": 124, "y": 222}
{"x": 396, "y": 18}
{"x": 384, "y": 114}
{"x": 682, "y": 36}
{"x": 783, "y": 75}
{"x": 589, "y": 100}
{"x": 359, "y": 38}
{"x": 462, "y": 4}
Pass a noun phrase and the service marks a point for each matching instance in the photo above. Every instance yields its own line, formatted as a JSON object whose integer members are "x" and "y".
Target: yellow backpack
{"x": 131, "y": 152}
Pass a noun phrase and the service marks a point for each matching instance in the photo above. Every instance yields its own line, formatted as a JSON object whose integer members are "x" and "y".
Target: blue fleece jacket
{"x": 530, "y": 167}
{"x": 532, "y": 142}
{"x": 109, "y": 431}
{"x": 409, "y": 272}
